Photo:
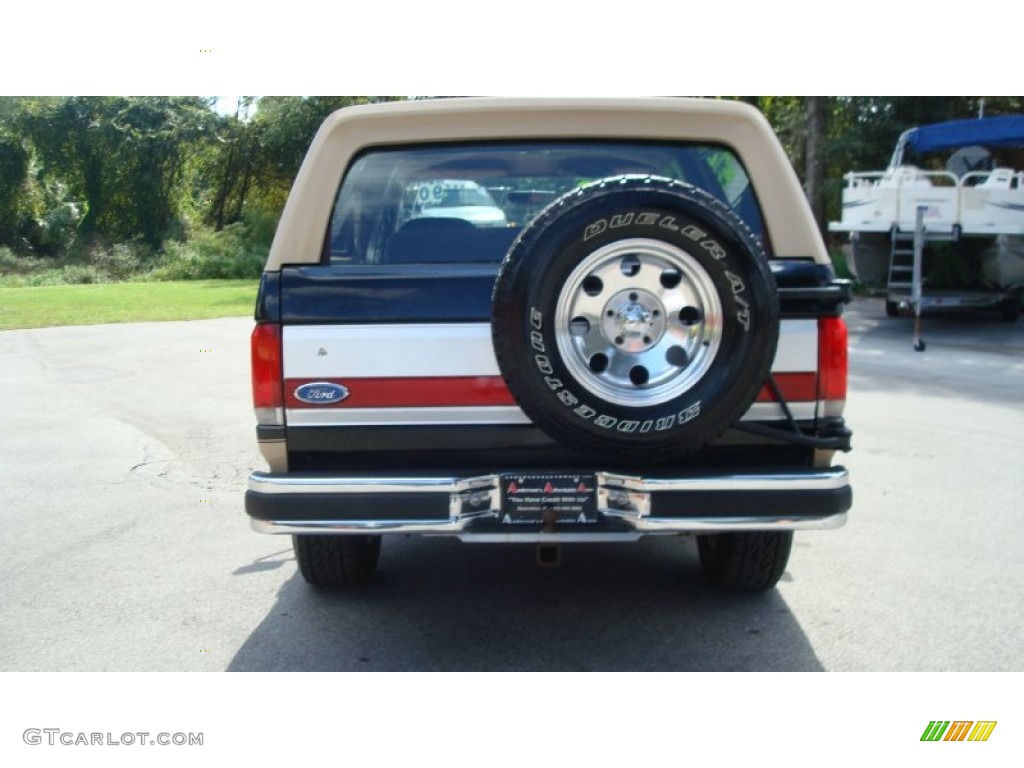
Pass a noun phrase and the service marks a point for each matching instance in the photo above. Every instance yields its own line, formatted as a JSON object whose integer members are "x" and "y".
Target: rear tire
{"x": 745, "y": 561}
{"x": 336, "y": 561}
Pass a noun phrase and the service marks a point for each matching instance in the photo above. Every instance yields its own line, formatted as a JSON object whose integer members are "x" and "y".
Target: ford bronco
{"x": 637, "y": 332}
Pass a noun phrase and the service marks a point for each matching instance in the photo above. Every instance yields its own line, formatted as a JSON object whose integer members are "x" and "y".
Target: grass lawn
{"x": 22, "y": 307}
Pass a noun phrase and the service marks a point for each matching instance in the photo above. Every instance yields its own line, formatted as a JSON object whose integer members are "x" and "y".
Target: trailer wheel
{"x": 1010, "y": 309}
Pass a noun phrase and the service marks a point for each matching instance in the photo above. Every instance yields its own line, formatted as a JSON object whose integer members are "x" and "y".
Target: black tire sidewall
{"x": 538, "y": 266}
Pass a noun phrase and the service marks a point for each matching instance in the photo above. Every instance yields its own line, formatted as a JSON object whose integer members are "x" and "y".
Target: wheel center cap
{"x": 634, "y": 321}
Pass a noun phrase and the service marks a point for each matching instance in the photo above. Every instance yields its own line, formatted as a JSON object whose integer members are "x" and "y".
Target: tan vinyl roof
{"x": 344, "y": 134}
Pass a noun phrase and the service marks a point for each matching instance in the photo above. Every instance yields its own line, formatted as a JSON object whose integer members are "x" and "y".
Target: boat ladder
{"x": 904, "y": 283}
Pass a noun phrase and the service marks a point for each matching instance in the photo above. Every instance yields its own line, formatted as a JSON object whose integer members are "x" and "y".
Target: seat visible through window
{"x": 440, "y": 240}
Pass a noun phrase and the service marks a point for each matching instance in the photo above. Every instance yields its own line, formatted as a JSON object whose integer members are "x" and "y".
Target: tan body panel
{"x": 741, "y": 128}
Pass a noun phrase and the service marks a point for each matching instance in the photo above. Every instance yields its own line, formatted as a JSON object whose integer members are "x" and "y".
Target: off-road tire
{"x": 336, "y": 561}
{"x": 635, "y": 319}
{"x": 745, "y": 561}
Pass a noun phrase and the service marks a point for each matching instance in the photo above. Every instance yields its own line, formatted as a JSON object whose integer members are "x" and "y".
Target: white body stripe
{"x": 798, "y": 347}
{"x": 384, "y": 351}
{"x": 421, "y": 417}
{"x": 773, "y": 411}
{"x": 464, "y": 349}
{"x": 426, "y": 350}
{"x": 469, "y": 416}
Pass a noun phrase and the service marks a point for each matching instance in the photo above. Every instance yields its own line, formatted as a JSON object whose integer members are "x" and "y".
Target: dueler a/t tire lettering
{"x": 635, "y": 319}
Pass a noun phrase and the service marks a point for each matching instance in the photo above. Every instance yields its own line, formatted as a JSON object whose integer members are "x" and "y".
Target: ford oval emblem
{"x": 321, "y": 393}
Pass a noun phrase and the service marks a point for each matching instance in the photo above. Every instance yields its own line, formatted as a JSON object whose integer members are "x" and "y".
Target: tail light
{"x": 267, "y": 378}
{"x": 832, "y": 366}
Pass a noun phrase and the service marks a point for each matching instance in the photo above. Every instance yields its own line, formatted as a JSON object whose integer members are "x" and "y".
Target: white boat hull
{"x": 867, "y": 256}
{"x": 1002, "y": 263}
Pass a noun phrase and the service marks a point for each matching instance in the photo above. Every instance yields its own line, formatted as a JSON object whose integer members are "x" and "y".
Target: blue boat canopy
{"x": 992, "y": 131}
{"x": 1006, "y": 131}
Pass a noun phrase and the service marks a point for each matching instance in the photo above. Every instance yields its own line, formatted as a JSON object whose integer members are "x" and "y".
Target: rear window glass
{"x": 467, "y": 202}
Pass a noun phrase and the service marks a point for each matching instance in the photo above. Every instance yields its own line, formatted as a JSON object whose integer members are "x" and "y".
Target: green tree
{"x": 285, "y": 127}
{"x": 14, "y": 163}
{"x": 124, "y": 157}
{"x": 257, "y": 157}
{"x": 229, "y": 170}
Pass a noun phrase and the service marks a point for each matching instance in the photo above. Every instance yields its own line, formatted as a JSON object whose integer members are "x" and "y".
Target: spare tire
{"x": 635, "y": 319}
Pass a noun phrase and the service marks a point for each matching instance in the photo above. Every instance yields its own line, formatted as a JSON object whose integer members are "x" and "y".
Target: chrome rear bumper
{"x": 628, "y": 506}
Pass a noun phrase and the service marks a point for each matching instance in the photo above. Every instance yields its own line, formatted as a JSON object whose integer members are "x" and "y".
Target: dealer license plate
{"x": 532, "y": 499}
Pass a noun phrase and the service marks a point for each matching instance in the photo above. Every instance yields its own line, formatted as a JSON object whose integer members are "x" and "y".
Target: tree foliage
{"x": 14, "y": 163}
{"x": 145, "y": 170}
{"x": 257, "y": 157}
{"x": 123, "y": 158}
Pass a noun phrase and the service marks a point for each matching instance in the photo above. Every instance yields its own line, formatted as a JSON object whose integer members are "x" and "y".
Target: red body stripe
{"x": 412, "y": 392}
{"x": 468, "y": 391}
{"x": 795, "y": 387}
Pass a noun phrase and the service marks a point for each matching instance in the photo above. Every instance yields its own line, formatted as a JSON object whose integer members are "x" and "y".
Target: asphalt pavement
{"x": 124, "y": 544}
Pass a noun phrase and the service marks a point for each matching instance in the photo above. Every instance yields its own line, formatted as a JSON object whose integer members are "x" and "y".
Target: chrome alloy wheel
{"x": 638, "y": 322}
